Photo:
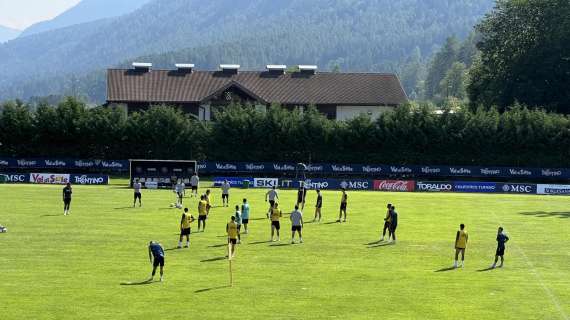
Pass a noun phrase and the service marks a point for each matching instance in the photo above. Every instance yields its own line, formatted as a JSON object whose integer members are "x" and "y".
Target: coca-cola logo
{"x": 394, "y": 185}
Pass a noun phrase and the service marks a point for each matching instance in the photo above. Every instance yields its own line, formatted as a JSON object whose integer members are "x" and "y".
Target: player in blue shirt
{"x": 156, "y": 251}
{"x": 501, "y": 240}
{"x": 245, "y": 214}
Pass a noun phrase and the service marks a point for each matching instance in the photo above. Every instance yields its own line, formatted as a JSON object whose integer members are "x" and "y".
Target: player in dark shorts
{"x": 156, "y": 251}
{"x": 387, "y": 222}
{"x": 318, "y": 206}
{"x": 185, "y": 224}
{"x": 276, "y": 214}
{"x": 343, "y": 205}
{"x": 393, "y": 223}
{"x": 301, "y": 195}
{"x": 137, "y": 186}
{"x": 67, "y": 198}
{"x": 501, "y": 240}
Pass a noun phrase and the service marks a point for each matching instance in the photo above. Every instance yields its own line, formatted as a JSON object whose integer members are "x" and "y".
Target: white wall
{"x": 205, "y": 113}
{"x": 349, "y": 112}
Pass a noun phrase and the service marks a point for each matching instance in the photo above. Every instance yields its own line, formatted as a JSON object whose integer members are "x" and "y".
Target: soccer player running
{"x": 137, "y": 186}
{"x": 393, "y": 223}
{"x": 296, "y": 224}
{"x": 460, "y": 245}
{"x": 67, "y": 198}
{"x": 318, "y": 206}
{"x": 275, "y": 226}
{"x": 301, "y": 195}
{"x": 194, "y": 182}
{"x": 501, "y": 240}
{"x": 237, "y": 215}
{"x": 387, "y": 222}
{"x": 156, "y": 251}
{"x": 233, "y": 236}
{"x": 225, "y": 193}
{"x": 245, "y": 215}
{"x": 272, "y": 196}
{"x": 185, "y": 224}
{"x": 202, "y": 213}
{"x": 343, "y": 204}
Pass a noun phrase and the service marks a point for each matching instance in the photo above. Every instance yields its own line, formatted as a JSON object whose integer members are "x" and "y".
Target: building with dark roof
{"x": 337, "y": 95}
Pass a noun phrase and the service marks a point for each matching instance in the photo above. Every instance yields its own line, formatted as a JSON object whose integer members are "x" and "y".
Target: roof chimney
{"x": 276, "y": 68}
{"x": 184, "y": 67}
{"x": 308, "y": 69}
{"x": 142, "y": 66}
{"x": 230, "y": 68}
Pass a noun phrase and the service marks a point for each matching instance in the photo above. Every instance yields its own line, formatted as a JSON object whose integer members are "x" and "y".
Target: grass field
{"x": 56, "y": 267}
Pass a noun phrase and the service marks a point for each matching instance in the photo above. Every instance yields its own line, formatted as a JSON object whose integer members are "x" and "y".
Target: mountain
{"x": 8, "y": 34}
{"x": 354, "y": 35}
{"x": 86, "y": 11}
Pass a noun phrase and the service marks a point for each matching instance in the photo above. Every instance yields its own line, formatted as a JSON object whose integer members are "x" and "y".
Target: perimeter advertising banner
{"x": 15, "y": 177}
{"x": 233, "y": 181}
{"x": 432, "y": 186}
{"x": 554, "y": 189}
{"x": 89, "y": 179}
{"x": 475, "y": 187}
{"x": 395, "y": 185}
{"x": 49, "y": 178}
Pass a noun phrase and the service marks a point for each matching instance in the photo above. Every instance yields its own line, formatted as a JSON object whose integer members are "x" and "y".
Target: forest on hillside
{"x": 346, "y": 35}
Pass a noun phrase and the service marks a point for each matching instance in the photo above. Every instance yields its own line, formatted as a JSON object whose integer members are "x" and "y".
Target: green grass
{"x": 56, "y": 267}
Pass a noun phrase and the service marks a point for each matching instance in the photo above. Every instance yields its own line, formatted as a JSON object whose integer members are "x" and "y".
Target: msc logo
{"x": 355, "y": 184}
{"x": 518, "y": 188}
{"x": 16, "y": 178}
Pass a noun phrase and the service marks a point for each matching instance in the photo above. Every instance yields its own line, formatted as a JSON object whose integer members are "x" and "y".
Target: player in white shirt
{"x": 272, "y": 196}
{"x": 179, "y": 189}
{"x": 137, "y": 186}
{"x": 296, "y": 224}
{"x": 225, "y": 193}
{"x": 194, "y": 182}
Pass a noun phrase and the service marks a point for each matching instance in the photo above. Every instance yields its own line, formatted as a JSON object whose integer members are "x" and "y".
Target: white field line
{"x": 539, "y": 279}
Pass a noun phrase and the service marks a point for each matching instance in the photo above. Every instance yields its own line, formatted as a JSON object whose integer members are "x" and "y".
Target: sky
{"x": 20, "y": 14}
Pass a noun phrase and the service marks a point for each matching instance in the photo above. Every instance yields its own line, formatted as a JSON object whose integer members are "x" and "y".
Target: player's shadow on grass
{"x": 379, "y": 244}
{"x": 486, "y": 269}
{"x": 332, "y": 222}
{"x": 259, "y": 242}
{"x": 122, "y": 208}
{"x": 446, "y": 269}
{"x": 210, "y": 289}
{"x": 218, "y": 245}
{"x": 215, "y": 259}
{"x": 544, "y": 214}
{"x": 51, "y": 215}
{"x": 257, "y": 219}
{"x": 139, "y": 283}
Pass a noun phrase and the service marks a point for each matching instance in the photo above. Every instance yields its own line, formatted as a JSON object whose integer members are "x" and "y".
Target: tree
{"x": 453, "y": 84}
{"x": 441, "y": 62}
{"x": 525, "y": 55}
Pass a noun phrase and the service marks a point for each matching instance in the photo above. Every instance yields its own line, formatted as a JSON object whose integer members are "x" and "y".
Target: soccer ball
{"x": 3, "y": 229}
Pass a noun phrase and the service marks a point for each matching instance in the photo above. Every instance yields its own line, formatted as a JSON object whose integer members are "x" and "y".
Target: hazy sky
{"x": 20, "y": 14}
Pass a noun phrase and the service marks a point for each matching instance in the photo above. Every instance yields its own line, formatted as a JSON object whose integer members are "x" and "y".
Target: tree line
{"x": 412, "y": 134}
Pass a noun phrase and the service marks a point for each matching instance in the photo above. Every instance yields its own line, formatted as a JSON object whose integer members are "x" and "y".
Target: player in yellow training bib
{"x": 275, "y": 215}
{"x": 185, "y": 224}
{"x": 460, "y": 245}
{"x": 202, "y": 213}
{"x": 233, "y": 234}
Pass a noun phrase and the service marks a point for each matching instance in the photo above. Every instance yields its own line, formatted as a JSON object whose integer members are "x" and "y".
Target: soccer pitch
{"x": 56, "y": 267}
